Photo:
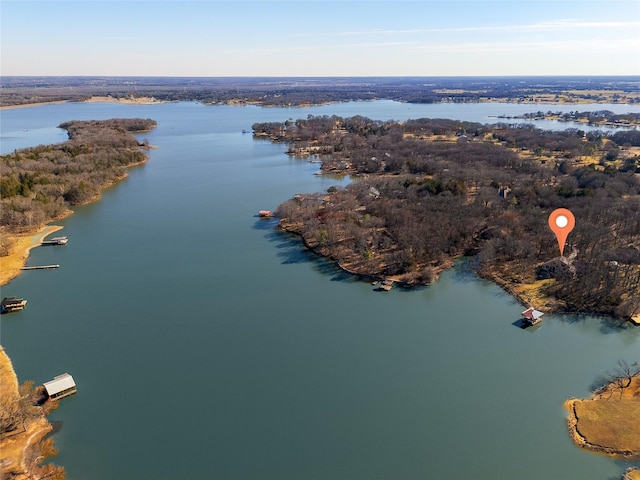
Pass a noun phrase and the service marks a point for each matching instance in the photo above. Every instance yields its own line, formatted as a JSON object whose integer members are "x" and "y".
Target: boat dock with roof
{"x": 55, "y": 241}
{"x": 61, "y": 386}
{"x": 532, "y": 316}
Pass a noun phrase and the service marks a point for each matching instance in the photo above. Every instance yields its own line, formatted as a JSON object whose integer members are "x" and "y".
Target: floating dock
{"x": 12, "y": 304}
{"x": 41, "y": 267}
{"x": 55, "y": 241}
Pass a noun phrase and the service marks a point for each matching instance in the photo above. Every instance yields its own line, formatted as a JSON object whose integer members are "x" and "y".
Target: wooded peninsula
{"x": 428, "y": 191}
{"x": 39, "y": 184}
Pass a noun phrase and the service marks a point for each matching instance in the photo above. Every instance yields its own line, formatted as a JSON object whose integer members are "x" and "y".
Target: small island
{"x": 428, "y": 191}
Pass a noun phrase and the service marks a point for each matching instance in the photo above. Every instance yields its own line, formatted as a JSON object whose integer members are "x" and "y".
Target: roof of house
{"x": 59, "y": 384}
{"x": 532, "y": 313}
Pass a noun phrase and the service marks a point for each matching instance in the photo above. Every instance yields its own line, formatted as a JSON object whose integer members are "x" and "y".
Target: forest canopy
{"x": 427, "y": 191}
{"x": 39, "y": 184}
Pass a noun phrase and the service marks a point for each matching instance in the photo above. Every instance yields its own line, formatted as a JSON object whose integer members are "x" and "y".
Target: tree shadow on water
{"x": 328, "y": 268}
{"x": 605, "y": 325}
{"x": 265, "y": 224}
{"x": 290, "y": 248}
{"x": 56, "y": 426}
{"x": 292, "y": 251}
{"x": 463, "y": 272}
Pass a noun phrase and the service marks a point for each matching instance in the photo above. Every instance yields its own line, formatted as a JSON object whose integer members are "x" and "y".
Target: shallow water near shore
{"x": 205, "y": 344}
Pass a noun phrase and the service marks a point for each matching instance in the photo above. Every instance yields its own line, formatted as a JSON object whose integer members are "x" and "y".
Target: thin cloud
{"x": 119, "y": 39}
{"x": 324, "y": 47}
{"x": 563, "y": 24}
{"x": 551, "y": 45}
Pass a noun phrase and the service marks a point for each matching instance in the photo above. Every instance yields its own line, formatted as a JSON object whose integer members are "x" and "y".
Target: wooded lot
{"x": 428, "y": 191}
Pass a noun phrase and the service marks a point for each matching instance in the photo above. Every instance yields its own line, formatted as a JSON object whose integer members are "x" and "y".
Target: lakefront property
{"x": 263, "y": 314}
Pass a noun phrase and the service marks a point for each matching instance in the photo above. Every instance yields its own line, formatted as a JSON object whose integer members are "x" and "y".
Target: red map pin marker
{"x": 561, "y": 222}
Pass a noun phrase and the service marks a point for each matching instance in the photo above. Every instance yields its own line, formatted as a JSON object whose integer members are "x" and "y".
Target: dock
{"x": 532, "y": 316}
{"x": 60, "y": 387}
{"x": 55, "y": 241}
{"x": 41, "y": 267}
{"x": 12, "y": 304}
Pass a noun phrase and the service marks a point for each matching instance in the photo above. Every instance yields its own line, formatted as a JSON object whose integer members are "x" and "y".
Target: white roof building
{"x": 61, "y": 386}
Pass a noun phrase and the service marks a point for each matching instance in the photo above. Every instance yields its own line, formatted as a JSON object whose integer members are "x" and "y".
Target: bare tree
{"x": 622, "y": 375}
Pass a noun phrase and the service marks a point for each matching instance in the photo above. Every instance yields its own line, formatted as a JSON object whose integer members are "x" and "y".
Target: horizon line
{"x": 321, "y": 76}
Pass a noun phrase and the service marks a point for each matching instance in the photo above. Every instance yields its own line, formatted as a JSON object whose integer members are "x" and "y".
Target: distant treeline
{"x": 301, "y": 91}
{"x": 428, "y": 191}
{"x": 38, "y": 184}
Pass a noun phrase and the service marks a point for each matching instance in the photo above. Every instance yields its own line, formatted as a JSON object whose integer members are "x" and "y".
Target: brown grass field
{"x": 632, "y": 475}
{"x": 606, "y": 423}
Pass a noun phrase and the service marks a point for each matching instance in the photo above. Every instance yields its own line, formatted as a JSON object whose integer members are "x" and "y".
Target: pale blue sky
{"x": 325, "y": 38}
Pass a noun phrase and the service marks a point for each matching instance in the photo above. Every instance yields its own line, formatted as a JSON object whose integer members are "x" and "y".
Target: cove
{"x": 205, "y": 344}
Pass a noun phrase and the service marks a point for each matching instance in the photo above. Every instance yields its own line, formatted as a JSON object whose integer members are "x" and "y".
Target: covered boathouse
{"x": 532, "y": 316}
{"x": 61, "y": 386}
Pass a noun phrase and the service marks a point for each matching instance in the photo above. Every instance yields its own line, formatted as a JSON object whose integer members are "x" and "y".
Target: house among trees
{"x": 532, "y": 316}
{"x": 61, "y": 386}
{"x": 503, "y": 192}
{"x": 554, "y": 268}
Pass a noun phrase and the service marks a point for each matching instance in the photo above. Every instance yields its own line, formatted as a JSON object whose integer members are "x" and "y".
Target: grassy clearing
{"x": 605, "y": 422}
{"x": 632, "y": 475}
{"x": 534, "y": 293}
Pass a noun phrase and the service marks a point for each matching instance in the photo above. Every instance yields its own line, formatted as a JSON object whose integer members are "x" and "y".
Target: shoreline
{"x": 518, "y": 291}
{"x": 259, "y": 103}
{"x": 22, "y": 243}
{"x": 37, "y": 104}
{"x": 11, "y": 264}
{"x": 22, "y": 451}
{"x": 583, "y": 435}
{"x": 93, "y": 99}
{"x": 123, "y": 100}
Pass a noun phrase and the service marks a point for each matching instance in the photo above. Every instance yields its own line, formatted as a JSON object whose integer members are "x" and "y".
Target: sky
{"x": 320, "y": 38}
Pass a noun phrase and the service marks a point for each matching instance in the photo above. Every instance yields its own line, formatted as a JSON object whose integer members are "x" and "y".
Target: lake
{"x": 205, "y": 344}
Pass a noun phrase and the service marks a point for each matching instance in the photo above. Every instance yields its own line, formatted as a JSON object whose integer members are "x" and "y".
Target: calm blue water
{"x": 207, "y": 345}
